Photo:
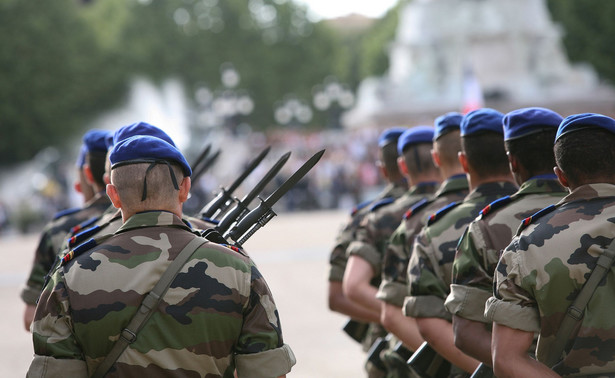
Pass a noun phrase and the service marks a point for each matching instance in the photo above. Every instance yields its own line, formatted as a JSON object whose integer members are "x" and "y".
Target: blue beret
{"x": 390, "y": 135}
{"x": 144, "y": 149}
{"x": 446, "y": 123}
{"x": 481, "y": 120}
{"x": 527, "y": 121}
{"x": 414, "y": 135}
{"x": 81, "y": 158}
{"x": 141, "y": 128}
{"x": 582, "y": 121}
{"x": 109, "y": 141}
{"x": 94, "y": 140}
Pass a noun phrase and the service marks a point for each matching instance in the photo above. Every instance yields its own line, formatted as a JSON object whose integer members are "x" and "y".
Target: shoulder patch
{"x": 440, "y": 213}
{"x": 84, "y": 225}
{"x": 77, "y": 251}
{"x": 360, "y": 206}
{"x": 236, "y": 249}
{"x": 527, "y": 221}
{"x": 82, "y": 236}
{"x": 381, "y": 203}
{"x": 65, "y": 212}
{"x": 417, "y": 207}
{"x": 498, "y": 203}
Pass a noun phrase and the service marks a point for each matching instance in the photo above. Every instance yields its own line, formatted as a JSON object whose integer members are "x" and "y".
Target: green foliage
{"x": 588, "y": 32}
{"x": 53, "y": 79}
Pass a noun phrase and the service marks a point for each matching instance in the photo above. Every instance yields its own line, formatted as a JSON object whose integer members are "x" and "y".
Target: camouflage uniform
{"x": 545, "y": 266}
{"x": 217, "y": 316}
{"x": 381, "y": 222}
{"x": 393, "y": 288}
{"x": 430, "y": 266}
{"x": 51, "y": 243}
{"x": 338, "y": 258}
{"x": 484, "y": 239}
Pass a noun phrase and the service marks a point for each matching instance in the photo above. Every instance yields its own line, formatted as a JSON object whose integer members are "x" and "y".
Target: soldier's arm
{"x": 356, "y": 284}
{"x": 404, "y": 327}
{"x": 473, "y": 338}
{"x": 339, "y": 303}
{"x": 260, "y": 350}
{"x": 56, "y": 352}
{"x": 510, "y": 357}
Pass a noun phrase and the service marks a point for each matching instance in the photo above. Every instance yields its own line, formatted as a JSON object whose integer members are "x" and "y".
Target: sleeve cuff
{"x": 368, "y": 253}
{"x": 392, "y": 293}
{"x": 426, "y": 306}
{"x": 467, "y": 302}
{"x": 512, "y": 315}
{"x": 336, "y": 274}
{"x": 45, "y": 366}
{"x": 267, "y": 364}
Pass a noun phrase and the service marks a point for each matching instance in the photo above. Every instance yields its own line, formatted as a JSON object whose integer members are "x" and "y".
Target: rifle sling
{"x": 149, "y": 304}
{"x": 575, "y": 312}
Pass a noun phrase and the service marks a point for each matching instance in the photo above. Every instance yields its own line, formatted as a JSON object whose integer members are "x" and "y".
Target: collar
{"x": 153, "y": 219}
{"x": 497, "y": 188}
{"x": 590, "y": 191}
{"x": 454, "y": 183}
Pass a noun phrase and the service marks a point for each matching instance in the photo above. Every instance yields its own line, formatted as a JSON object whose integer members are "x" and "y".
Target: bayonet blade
{"x": 256, "y": 161}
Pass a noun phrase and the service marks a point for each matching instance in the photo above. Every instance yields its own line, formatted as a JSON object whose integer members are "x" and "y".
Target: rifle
{"x": 373, "y": 354}
{"x": 426, "y": 362}
{"x": 200, "y": 158}
{"x": 241, "y": 208}
{"x": 261, "y": 215}
{"x": 223, "y": 200}
{"x": 205, "y": 166}
{"x": 356, "y": 330}
{"x": 483, "y": 371}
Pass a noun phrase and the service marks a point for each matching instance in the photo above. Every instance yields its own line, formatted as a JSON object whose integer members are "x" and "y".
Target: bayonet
{"x": 202, "y": 156}
{"x": 241, "y": 208}
{"x": 262, "y": 214}
{"x": 205, "y": 165}
{"x": 223, "y": 200}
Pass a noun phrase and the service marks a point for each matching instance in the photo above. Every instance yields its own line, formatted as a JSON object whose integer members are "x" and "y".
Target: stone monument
{"x": 454, "y": 55}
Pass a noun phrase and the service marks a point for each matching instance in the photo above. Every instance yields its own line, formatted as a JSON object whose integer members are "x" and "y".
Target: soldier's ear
{"x": 463, "y": 160}
{"x": 89, "y": 176}
{"x": 184, "y": 189}
{"x": 561, "y": 176}
{"x": 435, "y": 156}
{"x": 513, "y": 163}
{"x": 401, "y": 164}
{"x": 114, "y": 196}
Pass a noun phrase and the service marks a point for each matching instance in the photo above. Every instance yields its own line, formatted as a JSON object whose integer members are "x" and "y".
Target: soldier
{"x": 528, "y": 137}
{"x": 547, "y": 265}
{"x": 429, "y": 271}
{"x": 396, "y": 187}
{"x": 393, "y": 288}
{"x": 362, "y": 274}
{"x": 91, "y": 166}
{"x": 217, "y": 317}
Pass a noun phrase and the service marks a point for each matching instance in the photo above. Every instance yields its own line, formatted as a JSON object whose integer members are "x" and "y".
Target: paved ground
{"x": 292, "y": 253}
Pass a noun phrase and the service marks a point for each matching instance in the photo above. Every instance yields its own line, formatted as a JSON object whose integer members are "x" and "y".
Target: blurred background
{"x": 297, "y": 75}
{"x": 300, "y": 76}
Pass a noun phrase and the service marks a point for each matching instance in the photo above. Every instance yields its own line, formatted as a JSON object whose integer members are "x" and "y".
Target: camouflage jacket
{"x": 51, "y": 243}
{"x": 393, "y": 288}
{"x": 544, "y": 267}
{"x": 433, "y": 252}
{"x": 218, "y": 315}
{"x": 381, "y": 222}
{"x": 338, "y": 258}
{"x": 480, "y": 246}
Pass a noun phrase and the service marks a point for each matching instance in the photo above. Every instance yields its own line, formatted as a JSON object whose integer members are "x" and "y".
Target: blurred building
{"x": 461, "y": 54}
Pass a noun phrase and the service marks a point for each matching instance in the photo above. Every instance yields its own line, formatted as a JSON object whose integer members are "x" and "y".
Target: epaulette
{"x": 65, "y": 212}
{"x": 440, "y": 213}
{"x": 236, "y": 249}
{"x": 82, "y": 236}
{"x": 498, "y": 203}
{"x": 84, "y": 225}
{"x": 213, "y": 235}
{"x": 417, "y": 207}
{"x": 381, "y": 203}
{"x": 78, "y": 250}
{"x": 359, "y": 207}
{"x": 527, "y": 221}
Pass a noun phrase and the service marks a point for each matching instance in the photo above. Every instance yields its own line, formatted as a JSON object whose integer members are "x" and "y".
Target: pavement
{"x": 292, "y": 253}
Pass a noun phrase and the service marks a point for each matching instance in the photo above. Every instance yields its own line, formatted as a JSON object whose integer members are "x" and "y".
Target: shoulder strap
{"x": 575, "y": 312}
{"x": 129, "y": 334}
